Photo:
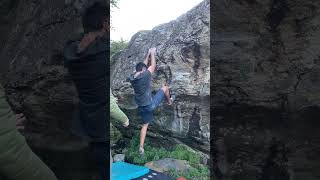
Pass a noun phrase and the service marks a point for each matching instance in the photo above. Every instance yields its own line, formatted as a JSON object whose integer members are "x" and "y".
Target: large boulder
{"x": 33, "y": 34}
{"x": 183, "y": 60}
{"x": 265, "y": 64}
{"x": 37, "y": 84}
{"x": 266, "y": 53}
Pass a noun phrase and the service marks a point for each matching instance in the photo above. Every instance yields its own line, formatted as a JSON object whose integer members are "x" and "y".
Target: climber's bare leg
{"x": 143, "y": 133}
{"x": 166, "y": 91}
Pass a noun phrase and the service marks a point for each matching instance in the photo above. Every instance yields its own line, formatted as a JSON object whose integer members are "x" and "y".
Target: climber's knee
{"x": 145, "y": 125}
{"x": 165, "y": 88}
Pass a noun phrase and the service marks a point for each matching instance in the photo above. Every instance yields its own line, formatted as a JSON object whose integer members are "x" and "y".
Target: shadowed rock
{"x": 32, "y": 37}
{"x": 265, "y": 64}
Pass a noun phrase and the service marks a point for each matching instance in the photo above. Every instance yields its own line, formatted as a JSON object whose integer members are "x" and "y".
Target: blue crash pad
{"x": 125, "y": 171}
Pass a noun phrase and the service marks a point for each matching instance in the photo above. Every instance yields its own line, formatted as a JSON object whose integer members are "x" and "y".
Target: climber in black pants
{"x": 141, "y": 83}
{"x": 87, "y": 61}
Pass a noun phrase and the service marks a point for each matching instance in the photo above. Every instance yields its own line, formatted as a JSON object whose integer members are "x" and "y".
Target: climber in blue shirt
{"x": 147, "y": 103}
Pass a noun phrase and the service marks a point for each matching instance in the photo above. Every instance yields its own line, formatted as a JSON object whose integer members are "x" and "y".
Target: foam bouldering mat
{"x": 126, "y": 171}
{"x": 153, "y": 175}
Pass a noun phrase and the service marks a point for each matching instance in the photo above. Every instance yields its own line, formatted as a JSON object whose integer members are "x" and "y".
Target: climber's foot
{"x": 172, "y": 98}
{"x": 141, "y": 151}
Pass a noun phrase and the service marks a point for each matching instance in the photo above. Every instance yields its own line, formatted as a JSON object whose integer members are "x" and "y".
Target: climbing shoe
{"x": 141, "y": 151}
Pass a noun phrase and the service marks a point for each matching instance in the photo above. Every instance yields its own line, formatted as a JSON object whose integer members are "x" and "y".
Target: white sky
{"x": 135, "y": 15}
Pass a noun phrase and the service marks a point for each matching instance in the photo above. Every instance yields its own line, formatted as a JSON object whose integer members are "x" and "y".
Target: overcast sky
{"x": 135, "y": 15}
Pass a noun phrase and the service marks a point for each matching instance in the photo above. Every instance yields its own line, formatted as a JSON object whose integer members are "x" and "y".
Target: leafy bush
{"x": 197, "y": 171}
{"x": 200, "y": 173}
{"x": 117, "y": 46}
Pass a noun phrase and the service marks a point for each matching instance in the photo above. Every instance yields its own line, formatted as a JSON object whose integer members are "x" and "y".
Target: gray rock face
{"x": 32, "y": 37}
{"x": 266, "y": 53}
{"x": 183, "y": 54}
{"x": 265, "y": 62}
{"x": 166, "y": 164}
{"x": 258, "y": 143}
{"x": 37, "y": 83}
{"x": 118, "y": 157}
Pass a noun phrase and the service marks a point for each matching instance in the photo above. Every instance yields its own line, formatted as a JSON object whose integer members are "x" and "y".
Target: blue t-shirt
{"x": 142, "y": 88}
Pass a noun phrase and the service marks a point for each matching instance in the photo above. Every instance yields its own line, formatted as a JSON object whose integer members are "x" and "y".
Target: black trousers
{"x": 100, "y": 156}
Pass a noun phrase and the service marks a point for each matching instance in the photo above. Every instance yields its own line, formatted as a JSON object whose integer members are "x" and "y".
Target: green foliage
{"x": 117, "y": 46}
{"x": 181, "y": 152}
{"x": 114, "y": 3}
{"x": 201, "y": 173}
{"x": 197, "y": 171}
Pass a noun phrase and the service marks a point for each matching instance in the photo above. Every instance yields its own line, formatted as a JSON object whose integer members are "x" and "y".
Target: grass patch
{"x": 200, "y": 173}
{"x": 197, "y": 170}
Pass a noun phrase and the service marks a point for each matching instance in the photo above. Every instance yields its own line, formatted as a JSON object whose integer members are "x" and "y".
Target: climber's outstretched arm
{"x": 152, "y": 67}
{"x": 146, "y": 61}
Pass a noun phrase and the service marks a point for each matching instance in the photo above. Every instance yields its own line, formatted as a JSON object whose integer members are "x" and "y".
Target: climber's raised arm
{"x": 152, "y": 67}
{"x": 146, "y": 61}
